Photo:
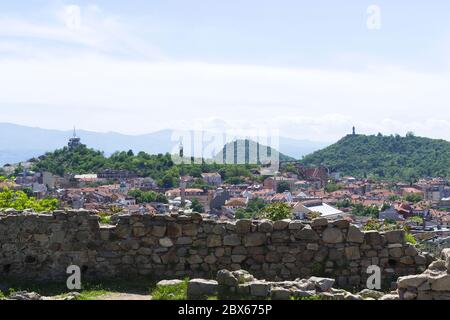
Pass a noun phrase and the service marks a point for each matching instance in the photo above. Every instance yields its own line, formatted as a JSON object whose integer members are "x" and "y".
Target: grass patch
{"x": 89, "y": 290}
{"x": 310, "y": 298}
{"x": 175, "y": 292}
{"x": 92, "y": 294}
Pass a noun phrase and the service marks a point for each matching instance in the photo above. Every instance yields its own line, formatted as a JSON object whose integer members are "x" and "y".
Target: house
{"x": 128, "y": 201}
{"x": 349, "y": 180}
{"x": 213, "y": 179}
{"x": 302, "y": 184}
{"x": 235, "y": 203}
{"x": 39, "y": 190}
{"x": 316, "y": 173}
{"x": 391, "y": 214}
{"x": 281, "y": 197}
{"x": 204, "y": 197}
{"x": 404, "y": 209}
{"x": 219, "y": 199}
{"x": 445, "y": 202}
{"x": 301, "y": 196}
{"x": 49, "y": 180}
{"x": 83, "y": 179}
{"x": 111, "y": 174}
{"x": 273, "y": 182}
{"x": 302, "y": 209}
{"x": 9, "y": 185}
{"x": 410, "y": 190}
{"x": 144, "y": 184}
{"x": 262, "y": 193}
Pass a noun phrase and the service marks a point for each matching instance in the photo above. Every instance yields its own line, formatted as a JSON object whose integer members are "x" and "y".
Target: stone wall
{"x": 42, "y": 246}
{"x": 433, "y": 284}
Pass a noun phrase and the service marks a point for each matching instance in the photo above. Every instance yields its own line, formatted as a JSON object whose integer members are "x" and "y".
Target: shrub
{"x": 242, "y": 214}
{"x": 313, "y": 215}
{"x": 416, "y": 220}
{"x": 104, "y": 218}
{"x": 196, "y": 206}
{"x": 277, "y": 211}
{"x": 374, "y": 224}
{"x": 409, "y": 238}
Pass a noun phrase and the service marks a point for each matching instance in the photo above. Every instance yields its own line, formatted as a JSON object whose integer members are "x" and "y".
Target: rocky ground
{"x": 241, "y": 284}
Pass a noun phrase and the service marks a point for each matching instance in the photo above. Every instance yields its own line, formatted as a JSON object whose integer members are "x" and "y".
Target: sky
{"x": 310, "y": 69}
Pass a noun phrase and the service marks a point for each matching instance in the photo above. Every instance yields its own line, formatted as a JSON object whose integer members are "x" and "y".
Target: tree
{"x": 19, "y": 200}
{"x": 277, "y": 211}
{"x": 345, "y": 203}
{"x": 283, "y": 186}
{"x": 332, "y": 186}
{"x": 243, "y": 214}
{"x": 385, "y": 206}
{"x": 147, "y": 196}
{"x": 366, "y": 211}
{"x": 255, "y": 205}
{"x": 413, "y": 197}
{"x": 393, "y": 198}
{"x": 196, "y": 206}
{"x": 168, "y": 181}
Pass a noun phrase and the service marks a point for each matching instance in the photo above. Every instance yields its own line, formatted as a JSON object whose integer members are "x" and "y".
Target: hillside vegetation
{"x": 249, "y": 151}
{"x": 385, "y": 157}
{"x": 159, "y": 167}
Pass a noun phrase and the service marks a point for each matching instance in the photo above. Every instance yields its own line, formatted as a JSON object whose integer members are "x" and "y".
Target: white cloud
{"x": 134, "y": 96}
{"x": 77, "y": 30}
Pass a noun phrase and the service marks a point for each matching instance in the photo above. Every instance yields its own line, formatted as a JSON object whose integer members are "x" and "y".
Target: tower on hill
{"x": 74, "y": 141}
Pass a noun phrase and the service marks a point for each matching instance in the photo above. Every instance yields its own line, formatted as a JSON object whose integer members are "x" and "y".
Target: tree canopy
{"x": 147, "y": 196}
{"x": 19, "y": 200}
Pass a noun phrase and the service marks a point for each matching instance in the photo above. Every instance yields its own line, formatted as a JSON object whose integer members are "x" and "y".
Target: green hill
{"x": 250, "y": 152}
{"x": 385, "y": 157}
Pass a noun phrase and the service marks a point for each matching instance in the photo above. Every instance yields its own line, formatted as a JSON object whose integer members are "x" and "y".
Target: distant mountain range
{"x": 20, "y": 143}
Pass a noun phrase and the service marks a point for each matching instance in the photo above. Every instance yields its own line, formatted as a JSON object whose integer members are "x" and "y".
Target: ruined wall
{"x": 433, "y": 284}
{"x": 166, "y": 246}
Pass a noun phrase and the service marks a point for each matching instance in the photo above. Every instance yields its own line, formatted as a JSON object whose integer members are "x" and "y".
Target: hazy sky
{"x": 313, "y": 69}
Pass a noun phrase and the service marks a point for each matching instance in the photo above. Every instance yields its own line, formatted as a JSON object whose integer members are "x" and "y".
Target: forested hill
{"x": 386, "y": 157}
{"x": 160, "y": 167}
